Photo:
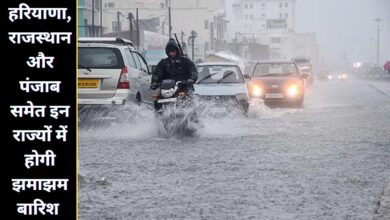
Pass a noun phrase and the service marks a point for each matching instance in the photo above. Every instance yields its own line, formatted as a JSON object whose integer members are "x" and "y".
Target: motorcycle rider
{"x": 175, "y": 66}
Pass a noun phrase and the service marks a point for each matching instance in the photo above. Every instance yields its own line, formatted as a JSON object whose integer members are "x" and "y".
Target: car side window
{"x": 144, "y": 67}
{"x": 102, "y": 58}
{"x": 137, "y": 60}
{"x": 131, "y": 60}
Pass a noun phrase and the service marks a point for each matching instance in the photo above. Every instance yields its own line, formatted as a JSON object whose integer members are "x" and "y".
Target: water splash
{"x": 205, "y": 119}
{"x": 129, "y": 121}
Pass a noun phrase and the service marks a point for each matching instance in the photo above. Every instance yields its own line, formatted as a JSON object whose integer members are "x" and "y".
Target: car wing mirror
{"x": 247, "y": 76}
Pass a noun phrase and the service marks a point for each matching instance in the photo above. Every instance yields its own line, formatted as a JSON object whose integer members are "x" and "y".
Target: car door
{"x": 135, "y": 73}
{"x": 144, "y": 79}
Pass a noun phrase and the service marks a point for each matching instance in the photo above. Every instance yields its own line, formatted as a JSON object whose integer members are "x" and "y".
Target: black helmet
{"x": 172, "y": 45}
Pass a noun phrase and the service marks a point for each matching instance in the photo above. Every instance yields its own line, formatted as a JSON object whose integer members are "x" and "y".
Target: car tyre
{"x": 138, "y": 99}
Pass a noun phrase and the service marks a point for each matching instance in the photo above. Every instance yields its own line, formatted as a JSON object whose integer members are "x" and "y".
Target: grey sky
{"x": 345, "y": 27}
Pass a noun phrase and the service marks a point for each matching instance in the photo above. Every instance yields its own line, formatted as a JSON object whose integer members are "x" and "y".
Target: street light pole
{"x": 93, "y": 18}
{"x": 131, "y": 28}
{"x": 169, "y": 20}
{"x": 101, "y": 18}
{"x": 118, "y": 13}
{"x": 378, "y": 20}
{"x": 138, "y": 32}
{"x": 191, "y": 41}
{"x": 371, "y": 50}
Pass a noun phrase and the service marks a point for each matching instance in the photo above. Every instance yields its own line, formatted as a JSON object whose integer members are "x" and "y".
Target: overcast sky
{"x": 345, "y": 27}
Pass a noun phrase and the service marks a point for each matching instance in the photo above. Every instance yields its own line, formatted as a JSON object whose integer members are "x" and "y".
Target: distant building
{"x": 89, "y": 22}
{"x": 205, "y": 17}
{"x": 265, "y": 22}
{"x": 258, "y": 16}
{"x": 269, "y": 24}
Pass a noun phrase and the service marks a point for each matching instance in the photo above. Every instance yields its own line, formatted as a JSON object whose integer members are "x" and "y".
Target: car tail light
{"x": 124, "y": 82}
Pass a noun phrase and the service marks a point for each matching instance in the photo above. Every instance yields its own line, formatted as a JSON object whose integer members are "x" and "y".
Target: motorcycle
{"x": 174, "y": 108}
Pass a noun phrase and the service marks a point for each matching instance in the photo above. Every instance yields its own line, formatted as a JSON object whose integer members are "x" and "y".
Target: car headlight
{"x": 242, "y": 96}
{"x": 167, "y": 93}
{"x": 292, "y": 90}
{"x": 330, "y": 77}
{"x": 344, "y": 76}
{"x": 256, "y": 91}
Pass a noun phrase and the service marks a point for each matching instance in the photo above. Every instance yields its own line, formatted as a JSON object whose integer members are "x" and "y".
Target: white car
{"x": 111, "y": 72}
{"x": 222, "y": 82}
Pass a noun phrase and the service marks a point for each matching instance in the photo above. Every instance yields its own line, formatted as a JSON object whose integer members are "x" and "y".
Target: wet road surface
{"x": 328, "y": 160}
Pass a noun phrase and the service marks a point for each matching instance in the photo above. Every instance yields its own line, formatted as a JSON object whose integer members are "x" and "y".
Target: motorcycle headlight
{"x": 242, "y": 96}
{"x": 167, "y": 93}
{"x": 292, "y": 90}
{"x": 256, "y": 91}
{"x": 181, "y": 94}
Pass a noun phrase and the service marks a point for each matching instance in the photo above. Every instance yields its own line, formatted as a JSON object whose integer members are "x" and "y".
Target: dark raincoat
{"x": 180, "y": 69}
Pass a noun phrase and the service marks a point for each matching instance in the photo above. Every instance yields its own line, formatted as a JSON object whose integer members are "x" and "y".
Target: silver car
{"x": 222, "y": 82}
{"x": 111, "y": 72}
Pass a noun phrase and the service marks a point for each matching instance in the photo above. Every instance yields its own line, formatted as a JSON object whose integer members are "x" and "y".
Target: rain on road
{"x": 329, "y": 160}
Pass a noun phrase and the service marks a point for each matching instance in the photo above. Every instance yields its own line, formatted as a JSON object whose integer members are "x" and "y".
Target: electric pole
{"x": 378, "y": 20}
{"x": 118, "y": 13}
{"x": 169, "y": 20}
{"x": 183, "y": 44}
{"x": 236, "y": 44}
{"x": 137, "y": 24}
{"x": 93, "y": 18}
{"x": 163, "y": 28}
{"x": 131, "y": 28}
{"x": 101, "y": 18}
{"x": 371, "y": 50}
{"x": 191, "y": 41}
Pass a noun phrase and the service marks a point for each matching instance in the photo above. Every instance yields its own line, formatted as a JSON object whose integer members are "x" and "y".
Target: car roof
{"x": 275, "y": 61}
{"x": 108, "y": 40}
{"x": 217, "y": 64}
{"x": 92, "y": 44}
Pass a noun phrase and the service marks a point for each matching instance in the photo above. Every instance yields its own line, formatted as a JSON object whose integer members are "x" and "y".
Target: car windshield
{"x": 275, "y": 69}
{"x": 219, "y": 74}
{"x": 99, "y": 58}
{"x": 154, "y": 56}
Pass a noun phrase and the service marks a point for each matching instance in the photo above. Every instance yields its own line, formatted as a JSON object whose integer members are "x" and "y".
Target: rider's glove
{"x": 190, "y": 82}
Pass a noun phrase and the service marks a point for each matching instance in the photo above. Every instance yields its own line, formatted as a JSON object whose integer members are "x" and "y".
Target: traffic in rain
{"x": 234, "y": 109}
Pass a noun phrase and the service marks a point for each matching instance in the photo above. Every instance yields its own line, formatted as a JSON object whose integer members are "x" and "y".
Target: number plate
{"x": 166, "y": 100}
{"x": 88, "y": 83}
{"x": 274, "y": 96}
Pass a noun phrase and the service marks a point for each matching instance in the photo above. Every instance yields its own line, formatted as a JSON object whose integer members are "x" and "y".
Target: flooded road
{"x": 328, "y": 160}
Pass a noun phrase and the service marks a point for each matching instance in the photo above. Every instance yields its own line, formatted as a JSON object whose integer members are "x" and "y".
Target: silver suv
{"x": 111, "y": 72}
